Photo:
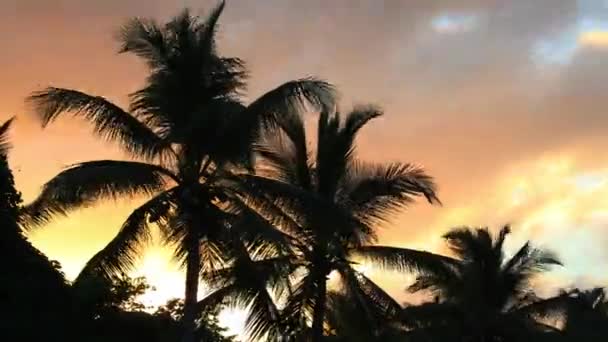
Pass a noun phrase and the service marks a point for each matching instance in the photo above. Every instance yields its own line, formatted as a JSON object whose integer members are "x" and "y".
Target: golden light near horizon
{"x": 597, "y": 39}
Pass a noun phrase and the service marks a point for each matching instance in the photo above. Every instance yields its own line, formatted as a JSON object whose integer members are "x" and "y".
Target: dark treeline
{"x": 260, "y": 215}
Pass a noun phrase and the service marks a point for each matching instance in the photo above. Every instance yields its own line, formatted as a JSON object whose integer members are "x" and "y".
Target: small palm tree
{"x": 480, "y": 294}
{"x": 186, "y": 128}
{"x": 323, "y": 212}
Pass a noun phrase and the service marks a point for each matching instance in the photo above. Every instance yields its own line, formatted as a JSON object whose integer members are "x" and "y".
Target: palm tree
{"x": 186, "y": 128}
{"x": 481, "y": 295}
{"x": 323, "y": 213}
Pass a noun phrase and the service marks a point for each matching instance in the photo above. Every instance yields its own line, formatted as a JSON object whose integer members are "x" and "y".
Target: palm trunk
{"x": 318, "y": 316}
{"x": 192, "y": 279}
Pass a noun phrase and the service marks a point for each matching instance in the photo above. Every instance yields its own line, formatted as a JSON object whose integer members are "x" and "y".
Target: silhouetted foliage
{"x": 208, "y": 327}
{"x": 189, "y": 127}
{"x": 110, "y": 310}
{"x": 266, "y": 221}
{"x": 322, "y": 212}
{"x": 586, "y": 315}
{"x": 346, "y": 323}
{"x": 32, "y": 291}
{"x": 481, "y": 295}
{"x": 97, "y": 295}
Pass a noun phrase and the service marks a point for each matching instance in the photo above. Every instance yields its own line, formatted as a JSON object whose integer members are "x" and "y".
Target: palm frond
{"x": 263, "y": 318}
{"x": 83, "y": 184}
{"x": 286, "y": 150}
{"x": 499, "y": 242}
{"x": 441, "y": 285}
{"x": 279, "y": 161}
{"x": 430, "y": 314}
{"x": 120, "y": 255}
{"x": 464, "y": 243}
{"x": 262, "y": 238}
{"x": 208, "y": 28}
{"x": 346, "y": 321}
{"x": 146, "y": 39}
{"x": 280, "y": 110}
{"x": 406, "y": 260}
{"x": 281, "y": 106}
{"x": 335, "y": 147}
{"x": 525, "y": 264}
{"x": 213, "y": 254}
{"x": 593, "y": 298}
{"x": 332, "y": 154}
{"x": 531, "y": 260}
{"x": 358, "y": 117}
{"x": 374, "y": 192}
{"x": 5, "y": 144}
{"x": 251, "y": 281}
{"x": 273, "y": 272}
{"x": 269, "y": 208}
{"x": 370, "y": 298}
{"x": 298, "y": 310}
{"x": 109, "y": 120}
{"x": 314, "y": 214}
{"x": 182, "y": 104}
{"x": 210, "y": 227}
{"x": 216, "y": 298}
{"x": 551, "y": 307}
{"x": 182, "y": 29}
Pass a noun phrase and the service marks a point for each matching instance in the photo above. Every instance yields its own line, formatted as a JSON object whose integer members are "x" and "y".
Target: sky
{"x": 503, "y": 102}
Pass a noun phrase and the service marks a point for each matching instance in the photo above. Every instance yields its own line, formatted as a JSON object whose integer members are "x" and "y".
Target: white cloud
{"x": 455, "y": 22}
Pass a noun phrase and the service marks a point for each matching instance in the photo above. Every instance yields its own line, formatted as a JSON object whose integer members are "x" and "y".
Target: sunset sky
{"x": 504, "y": 102}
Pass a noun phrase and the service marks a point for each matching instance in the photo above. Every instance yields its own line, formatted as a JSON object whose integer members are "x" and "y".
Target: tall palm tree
{"x": 481, "y": 295}
{"x": 324, "y": 211}
{"x": 186, "y": 128}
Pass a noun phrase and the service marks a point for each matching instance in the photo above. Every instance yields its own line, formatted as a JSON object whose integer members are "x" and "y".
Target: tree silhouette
{"x": 208, "y": 329}
{"x": 481, "y": 295}
{"x": 32, "y": 292}
{"x": 323, "y": 213}
{"x": 346, "y": 323}
{"x": 187, "y": 128}
{"x": 586, "y": 315}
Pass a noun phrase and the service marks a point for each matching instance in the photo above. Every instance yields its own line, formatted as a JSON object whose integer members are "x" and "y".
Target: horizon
{"x": 502, "y": 103}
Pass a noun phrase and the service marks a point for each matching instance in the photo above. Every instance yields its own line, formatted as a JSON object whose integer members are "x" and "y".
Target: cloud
{"x": 452, "y": 23}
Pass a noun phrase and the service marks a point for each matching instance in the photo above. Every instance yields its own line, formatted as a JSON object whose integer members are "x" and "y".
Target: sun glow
{"x": 594, "y": 39}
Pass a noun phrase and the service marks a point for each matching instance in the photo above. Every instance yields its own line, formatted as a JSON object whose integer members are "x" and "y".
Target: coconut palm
{"x": 482, "y": 295}
{"x": 185, "y": 129}
{"x": 324, "y": 212}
